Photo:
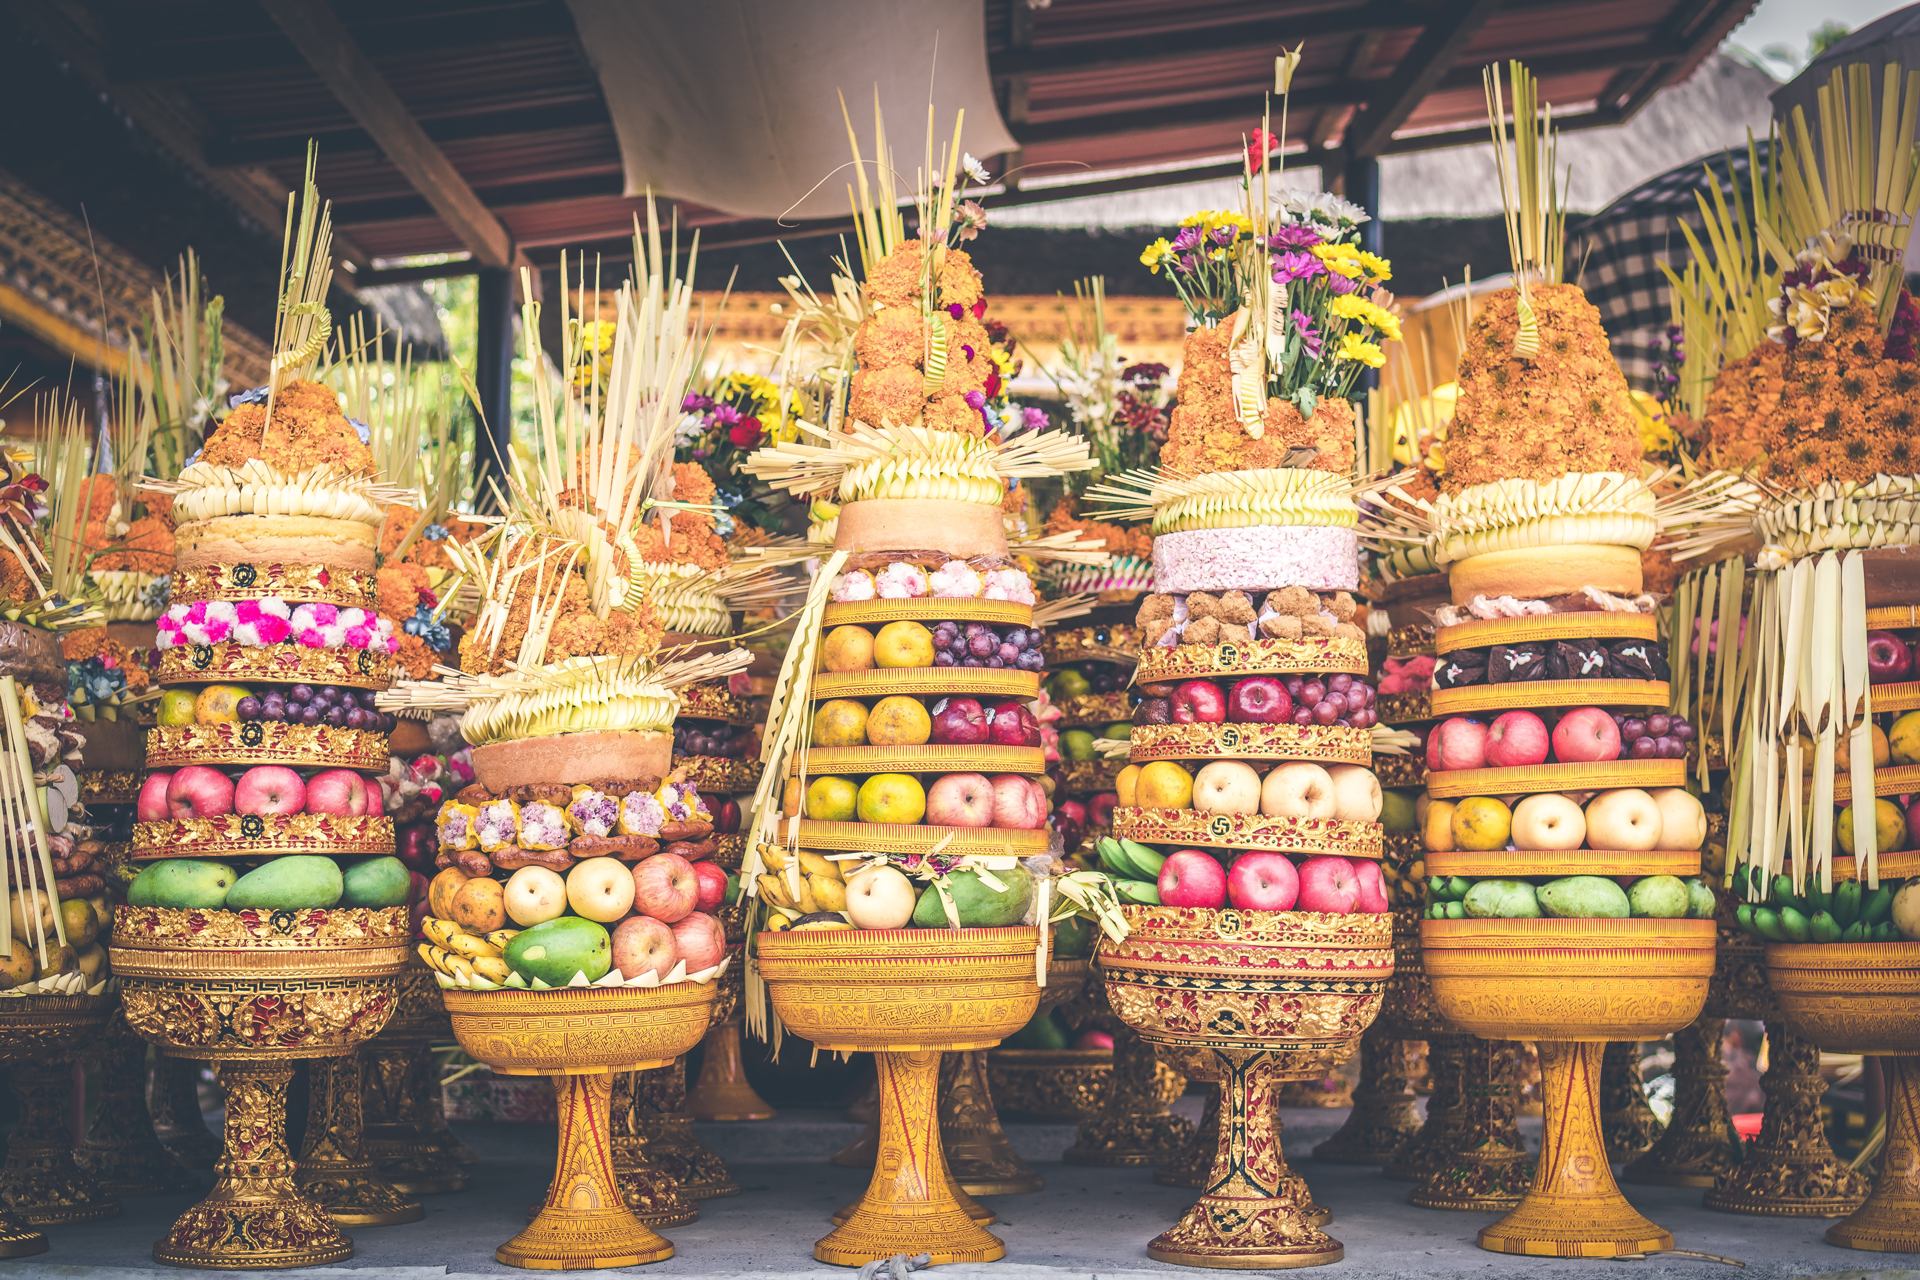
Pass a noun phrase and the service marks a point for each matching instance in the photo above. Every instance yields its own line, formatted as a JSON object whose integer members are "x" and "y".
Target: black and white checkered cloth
{"x": 1614, "y": 254}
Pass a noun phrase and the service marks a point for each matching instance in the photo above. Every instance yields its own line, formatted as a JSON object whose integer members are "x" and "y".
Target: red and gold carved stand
{"x": 335, "y": 1170}
{"x": 1383, "y": 1117}
{"x": 401, "y": 1097}
{"x": 121, "y": 1149}
{"x": 40, "y": 1185}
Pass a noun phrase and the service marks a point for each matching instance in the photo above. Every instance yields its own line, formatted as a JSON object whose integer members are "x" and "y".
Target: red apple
{"x": 1259, "y": 700}
{"x": 1262, "y": 881}
{"x": 271, "y": 788}
{"x": 642, "y": 944}
{"x": 152, "y": 804}
{"x": 1373, "y": 889}
{"x": 701, "y": 941}
{"x": 199, "y": 791}
{"x": 1018, "y": 803}
{"x": 416, "y": 845}
{"x": 1457, "y": 743}
{"x": 1913, "y": 824}
{"x": 1100, "y": 809}
{"x": 376, "y": 796}
{"x": 960, "y": 800}
{"x": 1013, "y": 725}
{"x": 1199, "y": 702}
{"x": 1072, "y": 810}
{"x": 665, "y": 887}
{"x": 1517, "y": 738}
{"x": 1102, "y": 1040}
{"x": 1327, "y": 883}
{"x": 713, "y": 885}
{"x": 1191, "y": 878}
{"x": 336, "y": 791}
{"x": 1586, "y": 734}
{"x": 1889, "y": 661}
{"x": 726, "y": 815}
{"x": 959, "y": 720}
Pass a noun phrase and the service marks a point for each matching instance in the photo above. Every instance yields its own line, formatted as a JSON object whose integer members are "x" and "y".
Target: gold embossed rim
{"x": 1329, "y": 654}
{"x": 1894, "y": 697}
{"x": 1316, "y": 930}
{"x": 254, "y": 835}
{"x": 1083, "y": 644}
{"x": 317, "y": 746}
{"x": 1095, "y": 708}
{"x": 712, "y": 700}
{"x": 862, "y": 613}
{"x": 897, "y": 956}
{"x": 1564, "y": 862}
{"x": 945, "y": 681}
{"x": 1545, "y": 946}
{"x": 567, "y": 1029}
{"x": 898, "y": 837}
{"x": 274, "y": 664}
{"x": 924, "y": 759}
{"x": 1597, "y": 775}
{"x": 295, "y": 583}
{"x": 338, "y": 928}
{"x": 255, "y": 964}
{"x": 1330, "y": 743}
{"x": 1902, "y": 865}
{"x": 1550, "y": 693}
{"x": 1250, "y": 831}
{"x": 1482, "y": 632}
{"x": 1404, "y": 708}
{"x": 1899, "y": 780}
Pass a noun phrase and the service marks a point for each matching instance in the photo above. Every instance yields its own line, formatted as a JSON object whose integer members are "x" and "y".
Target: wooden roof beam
{"x": 1420, "y": 72}
{"x": 350, "y": 75}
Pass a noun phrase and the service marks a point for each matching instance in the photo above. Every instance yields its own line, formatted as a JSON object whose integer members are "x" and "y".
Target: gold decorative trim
{"x": 1023, "y": 685}
{"x": 1565, "y": 862}
{"x": 1893, "y": 617}
{"x": 1250, "y": 831}
{"x": 1901, "y": 865}
{"x": 295, "y": 583}
{"x": 1415, "y": 640}
{"x": 110, "y": 786}
{"x": 1899, "y": 780}
{"x": 589, "y": 1030}
{"x": 255, "y": 835}
{"x": 1550, "y": 693}
{"x": 1327, "y": 744}
{"x": 897, "y": 837}
{"x": 1086, "y": 709}
{"x": 1330, "y": 654}
{"x": 274, "y": 664}
{"x": 1596, "y": 775}
{"x": 1400, "y": 771}
{"x": 1850, "y": 997}
{"x": 332, "y": 928}
{"x": 730, "y": 851}
{"x": 716, "y": 775}
{"x": 1894, "y": 697}
{"x": 1405, "y": 708}
{"x": 710, "y": 700}
{"x": 923, "y": 759}
{"x": 309, "y": 960}
{"x": 1101, "y": 642}
{"x": 1482, "y": 632}
{"x": 1089, "y": 777}
{"x": 298, "y": 746}
{"x": 927, "y": 609}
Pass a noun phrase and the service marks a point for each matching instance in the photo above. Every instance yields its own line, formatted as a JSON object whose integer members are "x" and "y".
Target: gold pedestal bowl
{"x": 1270, "y": 996}
{"x": 252, "y": 991}
{"x": 40, "y": 1185}
{"x": 1855, "y": 997}
{"x": 907, "y": 996}
{"x": 582, "y": 1036}
{"x": 1572, "y": 986}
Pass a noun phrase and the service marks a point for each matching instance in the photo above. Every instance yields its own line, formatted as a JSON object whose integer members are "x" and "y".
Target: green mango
{"x": 1397, "y": 811}
{"x": 376, "y": 882}
{"x": 977, "y": 906}
{"x": 1584, "y": 898}
{"x": 297, "y": 882}
{"x": 182, "y": 883}
{"x": 1700, "y": 900}
{"x": 1073, "y": 938}
{"x": 1658, "y": 898}
{"x": 554, "y": 950}
{"x": 1502, "y": 900}
{"x": 1042, "y": 1033}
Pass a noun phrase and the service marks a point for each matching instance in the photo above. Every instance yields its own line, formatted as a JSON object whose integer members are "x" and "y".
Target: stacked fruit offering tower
{"x": 1821, "y": 845}
{"x": 269, "y": 918}
{"x": 1530, "y": 932}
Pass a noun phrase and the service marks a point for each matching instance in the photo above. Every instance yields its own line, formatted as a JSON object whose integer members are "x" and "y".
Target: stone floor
{"x": 1087, "y": 1223}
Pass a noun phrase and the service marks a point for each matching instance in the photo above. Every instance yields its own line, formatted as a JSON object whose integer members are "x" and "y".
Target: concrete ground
{"x": 1088, "y": 1224}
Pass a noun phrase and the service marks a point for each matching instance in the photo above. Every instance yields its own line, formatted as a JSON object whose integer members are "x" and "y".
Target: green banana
{"x": 1855, "y": 932}
{"x": 1879, "y": 908}
{"x": 1817, "y": 898}
{"x": 1148, "y": 861}
{"x": 1846, "y": 902}
{"x": 1824, "y": 928}
{"x": 1885, "y": 932}
{"x": 1143, "y": 893}
{"x": 1795, "y": 925}
{"x": 1783, "y": 894}
{"x": 1456, "y": 911}
{"x": 1767, "y": 921}
{"x": 1113, "y": 860}
{"x": 1744, "y": 914}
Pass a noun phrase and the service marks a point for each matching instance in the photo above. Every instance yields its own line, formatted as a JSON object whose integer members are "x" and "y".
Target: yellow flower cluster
{"x": 1156, "y": 255}
{"x": 1354, "y": 347}
{"x": 1353, "y": 262}
{"x": 1211, "y": 220}
{"x": 1351, "y": 306}
{"x": 596, "y": 349}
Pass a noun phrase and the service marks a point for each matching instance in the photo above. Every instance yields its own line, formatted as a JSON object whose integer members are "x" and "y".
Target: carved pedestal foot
{"x": 18, "y": 1240}
{"x": 40, "y": 1184}
{"x": 173, "y": 1099}
{"x": 335, "y": 1171}
{"x": 1695, "y": 1150}
{"x": 722, "y": 1092}
{"x": 121, "y": 1150}
{"x": 1574, "y": 1208}
{"x": 1626, "y": 1119}
{"x": 1383, "y": 1117}
{"x": 1889, "y": 1222}
{"x": 650, "y": 1195}
{"x": 400, "y": 1087}
{"x": 1132, "y": 1127}
{"x": 978, "y": 1152}
{"x": 1435, "y": 1142}
{"x": 254, "y": 1218}
{"x": 1789, "y": 1170}
{"x": 697, "y": 1171}
{"x": 1489, "y": 1169}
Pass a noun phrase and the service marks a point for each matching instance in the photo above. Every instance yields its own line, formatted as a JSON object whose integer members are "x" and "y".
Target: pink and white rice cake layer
{"x": 1257, "y": 558}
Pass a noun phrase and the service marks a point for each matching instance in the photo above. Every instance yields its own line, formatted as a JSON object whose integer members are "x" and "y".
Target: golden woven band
{"x": 298, "y": 746}
{"x": 1325, "y": 744}
{"x": 1095, "y": 708}
{"x": 899, "y": 837}
{"x": 924, "y": 759}
{"x": 1898, "y": 780}
{"x": 966, "y": 681}
{"x": 1550, "y": 693}
{"x": 710, "y": 700}
{"x": 1329, "y": 654}
{"x": 1598, "y": 775}
{"x": 1564, "y": 862}
{"x": 1482, "y": 632}
{"x": 719, "y": 776}
{"x": 863, "y": 613}
{"x": 1250, "y": 831}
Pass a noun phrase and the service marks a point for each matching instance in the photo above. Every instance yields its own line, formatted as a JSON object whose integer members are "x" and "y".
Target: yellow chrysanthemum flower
{"x": 1378, "y": 269}
{"x": 1343, "y": 258}
{"x": 1353, "y": 347}
{"x": 1156, "y": 254}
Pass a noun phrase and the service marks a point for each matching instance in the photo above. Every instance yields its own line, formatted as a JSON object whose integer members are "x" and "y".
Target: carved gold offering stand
{"x": 906, "y": 996}
{"x": 582, "y": 1037}
{"x": 1192, "y": 1166}
{"x": 664, "y": 1121}
{"x": 1693, "y": 1148}
{"x": 40, "y": 1185}
{"x": 252, "y": 991}
{"x": 1865, "y": 998}
{"x": 1270, "y": 996}
{"x": 1626, "y": 1118}
{"x": 121, "y": 1149}
{"x": 1383, "y": 1117}
{"x": 1572, "y": 985}
{"x": 400, "y": 1092}
{"x": 335, "y": 1170}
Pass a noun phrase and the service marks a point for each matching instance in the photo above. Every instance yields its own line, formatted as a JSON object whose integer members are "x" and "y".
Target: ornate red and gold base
{"x": 1487, "y": 1168}
{"x": 1382, "y": 1118}
{"x": 336, "y": 1172}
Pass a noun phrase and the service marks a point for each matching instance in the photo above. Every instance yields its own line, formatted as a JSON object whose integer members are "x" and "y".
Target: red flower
{"x": 979, "y": 307}
{"x": 1258, "y": 147}
{"x": 992, "y": 387}
{"x": 745, "y": 433}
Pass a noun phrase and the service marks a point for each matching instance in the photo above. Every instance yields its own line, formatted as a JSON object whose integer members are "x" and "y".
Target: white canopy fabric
{"x": 734, "y": 104}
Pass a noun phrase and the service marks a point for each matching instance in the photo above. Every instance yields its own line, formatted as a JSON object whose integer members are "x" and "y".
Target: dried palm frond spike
{"x": 301, "y": 323}
{"x": 179, "y": 378}
{"x": 1051, "y": 613}
{"x": 65, "y": 585}
{"x": 1529, "y": 194}
{"x": 1274, "y": 495}
{"x": 1064, "y": 548}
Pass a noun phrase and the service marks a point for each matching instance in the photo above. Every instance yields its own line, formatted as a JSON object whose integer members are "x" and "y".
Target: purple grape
{"x": 1294, "y": 684}
{"x": 1657, "y": 726}
{"x": 1371, "y": 695}
{"x": 335, "y": 717}
{"x": 309, "y": 714}
{"x": 1340, "y": 683}
{"x": 1681, "y": 731}
{"x": 1017, "y": 637}
{"x": 1033, "y": 660}
{"x": 248, "y": 708}
{"x": 974, "y": 629}
{"x": 300, "y": 693}
{"x": 1631, "y": 729}
{"x": 1665, "y": 748}
{"x": 1007, "y": 652}
{"x": 1311, "y": 692}
{"x": 1325, "y": 712}
{"x": 1643, "y": 748}
{"x": 357, "y": 718}
{"x": 1303, "y": 715}
{"x": 274, "y": 712}
{"x": 941, "y": 658}
{"x": 971, "y": 662}
{"x": 996, "y": 663}
{"x": 1365, "y": 718}
{"x": 983, "y": 644}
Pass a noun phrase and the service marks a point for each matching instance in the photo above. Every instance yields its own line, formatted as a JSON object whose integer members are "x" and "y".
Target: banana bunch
{"x": 1403, "y": 883}
{"x": 462, "y": 956}
{"x": 1241, "y": 499}
{"x": 1607, "y": 508}
{"x": 1882, "y": 512}
{"x": 822, "y": 888}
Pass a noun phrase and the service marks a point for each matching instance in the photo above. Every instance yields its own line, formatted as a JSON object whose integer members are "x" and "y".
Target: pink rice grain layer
{"x": 1257, "y": 558}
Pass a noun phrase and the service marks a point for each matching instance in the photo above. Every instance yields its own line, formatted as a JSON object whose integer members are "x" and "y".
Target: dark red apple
{"x": 1013, "y": 726}
{"x": 414, "y": 844}
{"x": 1199, "y": 702}
{"x": 959, "y": 720}
{"x": 1153, "y": 711}
{"x": 1100, "y": 809}
{"x": 417, "y": 888}
{"x": 1073, "y": 810}
{"x": 1259, "y": 700}
{"x": 726, "y": 816}
{"x": 1071, "y": 832}
{"x": 1889, "y": 661}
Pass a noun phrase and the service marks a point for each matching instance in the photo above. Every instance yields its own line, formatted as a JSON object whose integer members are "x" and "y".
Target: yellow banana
{"x": 492, "y": 968}
{"x": 830, "y": 894}
{"x": 807, "y": 903}
{"x": 475, "y": 948}
{"x": 774, "y": 890}
{"x": 774, "y": 857}
{"x": 814, "y": 864}
{"x": 438, "y": 958}
{"x": 501, "y": 937}
{"x": 459, "y": 968}
{"x": 441, "y": 932}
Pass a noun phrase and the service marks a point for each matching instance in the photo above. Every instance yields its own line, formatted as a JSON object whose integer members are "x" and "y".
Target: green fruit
{"x": 298, "y": 882}
{"x": 1457, "y": 887}
{"x": 1456, "y": 911}
{"x": 376, "y": 882}
{"x": 1042, "y": 1033}
{"x": 554, "y": 950}
{"x": 1766, "y": 921}
{"x": 733, "y": 888}
{"x": 1145, "y": 861}
{"x": 1658, "y": 897}
{"x": 1119, "y": 731}
{"x": 1076, "y": 744}
{"x": 1501, "y": 900}
{"x": 1878, "y": 906}
{"x": 1846, "y": 903}
{"x": 978, "y": 906}
{"x": 1795, "y": 925}
{"x": 182, "y": 883}
{"x": 1584, "y": 898}
{"x": 1069, "y": 683}
{"x": 1396, "y": 810}
{"x": 1824, "y": 929}
{"x": 1700, "y": 900}
{"x": 1073, "y": 938}
{"x": 1142, "y": 893}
